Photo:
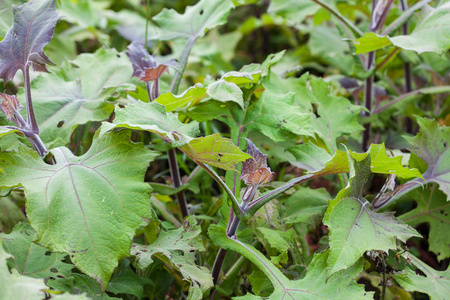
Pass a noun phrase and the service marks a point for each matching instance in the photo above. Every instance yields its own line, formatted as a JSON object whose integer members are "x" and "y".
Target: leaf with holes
{"x": 434, "y": 209}
{"x": 315, "y": 285}
{"x": 179, "y": 247}
{"x": 354, "y": 227}
{"x": 435, "y": 283}
{"x": 31, "y": 259}
{"x": 23, "y": 45}
{"x": 89, "y": 206}
{"x": 215, "y": 151}
{"x": 75, "y": 95}
{"x": 195, "y": 21}
{"x": 153, "y": 117}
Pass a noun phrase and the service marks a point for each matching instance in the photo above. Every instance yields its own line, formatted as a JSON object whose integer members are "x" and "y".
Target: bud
{"x": 11, "y": 107}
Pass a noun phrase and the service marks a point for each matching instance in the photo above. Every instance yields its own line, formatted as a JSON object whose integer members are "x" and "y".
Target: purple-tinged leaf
{"x": 11, "y": 107}
{"x": 23, "y": 45}
{"x": 145, "y": 66}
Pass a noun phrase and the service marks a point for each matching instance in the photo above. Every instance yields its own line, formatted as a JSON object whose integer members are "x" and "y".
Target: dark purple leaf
{"x": 23, "y": 45}
{"x": 145, "y": 67}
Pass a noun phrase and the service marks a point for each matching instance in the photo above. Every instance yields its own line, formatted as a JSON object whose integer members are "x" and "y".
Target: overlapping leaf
{"x": 434, "y": 209}
{"x": 195, "y": 21}
{"x": 315, "y": 285}
{"x": 216, "y": 151}
{"x": 354, "y": 227}
{"x": 179, "y": 247}
{"x": 31, "y": 259}
{"x": 435, "y": 283}
{"x": 153, "y": 117}
{"x": 76, "y": 94}
{"x": 23, "y": 45}
{"x": 88, "y": 207}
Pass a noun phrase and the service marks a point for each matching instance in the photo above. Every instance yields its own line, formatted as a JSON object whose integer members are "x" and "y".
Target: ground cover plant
{"x": 218, "y": 149}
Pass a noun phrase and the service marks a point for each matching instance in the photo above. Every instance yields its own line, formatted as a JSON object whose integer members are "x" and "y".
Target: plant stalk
{"x": 31, "y": 118}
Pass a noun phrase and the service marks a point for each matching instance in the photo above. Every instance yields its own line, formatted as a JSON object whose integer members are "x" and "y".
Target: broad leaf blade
{"x": 431, "y": 34}
{"x": 315, "y": 285}
{"x": 154, "y": 118}
{"x": 24, "y": 43}
{"x": 90, "y": 206}
{"x": 179, "y": 247}
{"x": 216, "y": 151}
{"x": 370, "y": 42}
{"x": 192, "y": 96}
{"x": 195, "y": 21}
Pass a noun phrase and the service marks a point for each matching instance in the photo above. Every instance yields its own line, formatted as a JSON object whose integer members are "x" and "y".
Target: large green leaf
{"x": 434, "y": 209}
{"x": 216, "y": 151}
{"x": 431, "y": 34}
{"x": 76, "y": 95}
{"x": 179, "y": 247}
{"x": 275, "y": 115}
{"x": 31, "y": 259}
{"x": 15, "y": 286}
{"x": 315, "y": 285}
{"x": 435, "y": 283}
{"x": 153, "y": 117}
{"x": 195, "y": 21}
{"x": 90, "y": 206}
{"x": 354, "y": 227}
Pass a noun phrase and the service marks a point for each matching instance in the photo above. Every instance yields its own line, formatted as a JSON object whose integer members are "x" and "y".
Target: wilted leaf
{"x": 23, "y": 45}
{"x": 88, "y": 207}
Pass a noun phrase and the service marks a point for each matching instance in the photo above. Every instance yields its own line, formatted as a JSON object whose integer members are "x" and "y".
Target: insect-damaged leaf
{"x": 89, "y": 206}
{"x": 23, "y": 45}
{"x": 145, "y": 66}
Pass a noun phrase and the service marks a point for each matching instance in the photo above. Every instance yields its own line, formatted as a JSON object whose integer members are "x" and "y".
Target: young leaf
{"x": 153, "y": 117}
{"x": 145, "y": 67}
{"x": 370, "y": 42}
{"x": 192, "y": 95}
{"x": 435, "y": 283}
{"x": 90, "y": 206}
{"x": 434, "y": 209}
{"x": 31, "y": 259}
{"x": 316, "y": 283}
{"x": 431, "y": 34}
{"x": 381, "y": 163}
{"x": 354, "y": 228}
{"x": 23, "y": 45}
{"x": 75, "y": 95}
{"x": 126, "y": 281}
{"x": 195, "y": 21}
{"x": 216, "y": 151}
{"x": 179, "y": 247}
{"x": 224, "y": 91}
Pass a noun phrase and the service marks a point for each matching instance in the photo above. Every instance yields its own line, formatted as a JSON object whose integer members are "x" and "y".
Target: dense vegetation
{"x": 245, "y": 149}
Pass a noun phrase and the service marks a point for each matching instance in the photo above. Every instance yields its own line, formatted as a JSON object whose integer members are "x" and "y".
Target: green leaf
{"x": 432, "y": 208}
{"x": 215, "y": 151}
{"x": 195, "y": 21}
{"x": 242, "y": 79}
{"x": 275, "y": 116}
{"x": 179, "y": 247}
{"x": 76, "y": 95}
{"x": 381, "y": 163}
{"x": 80, "y": 12}
{"x": 435, "y": 283}
{"x": 431, "y": 34}
{"x": 432, "y": 144}
{"x": 192, "y": 95}
{"x": 354, "y": 227}
{"x": 309, "y": 156}
{"x": 305, "y": 206}
{"x": 126, "y": 281}
{"x": 15, "y": 286}
{"x": 10, "y": 214}
{"x": 294, "y": 11}
{"x": 224, "y": 91}
{"x": 31, "y": 259}
{"x": 90, "y": 206}
{"x": 370, "y": 42}
{"x": 153, "y": 117}
{"x": 315, "y": 285}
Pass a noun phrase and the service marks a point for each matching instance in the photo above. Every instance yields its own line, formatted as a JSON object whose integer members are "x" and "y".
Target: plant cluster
{"x": 245, "y": 149}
